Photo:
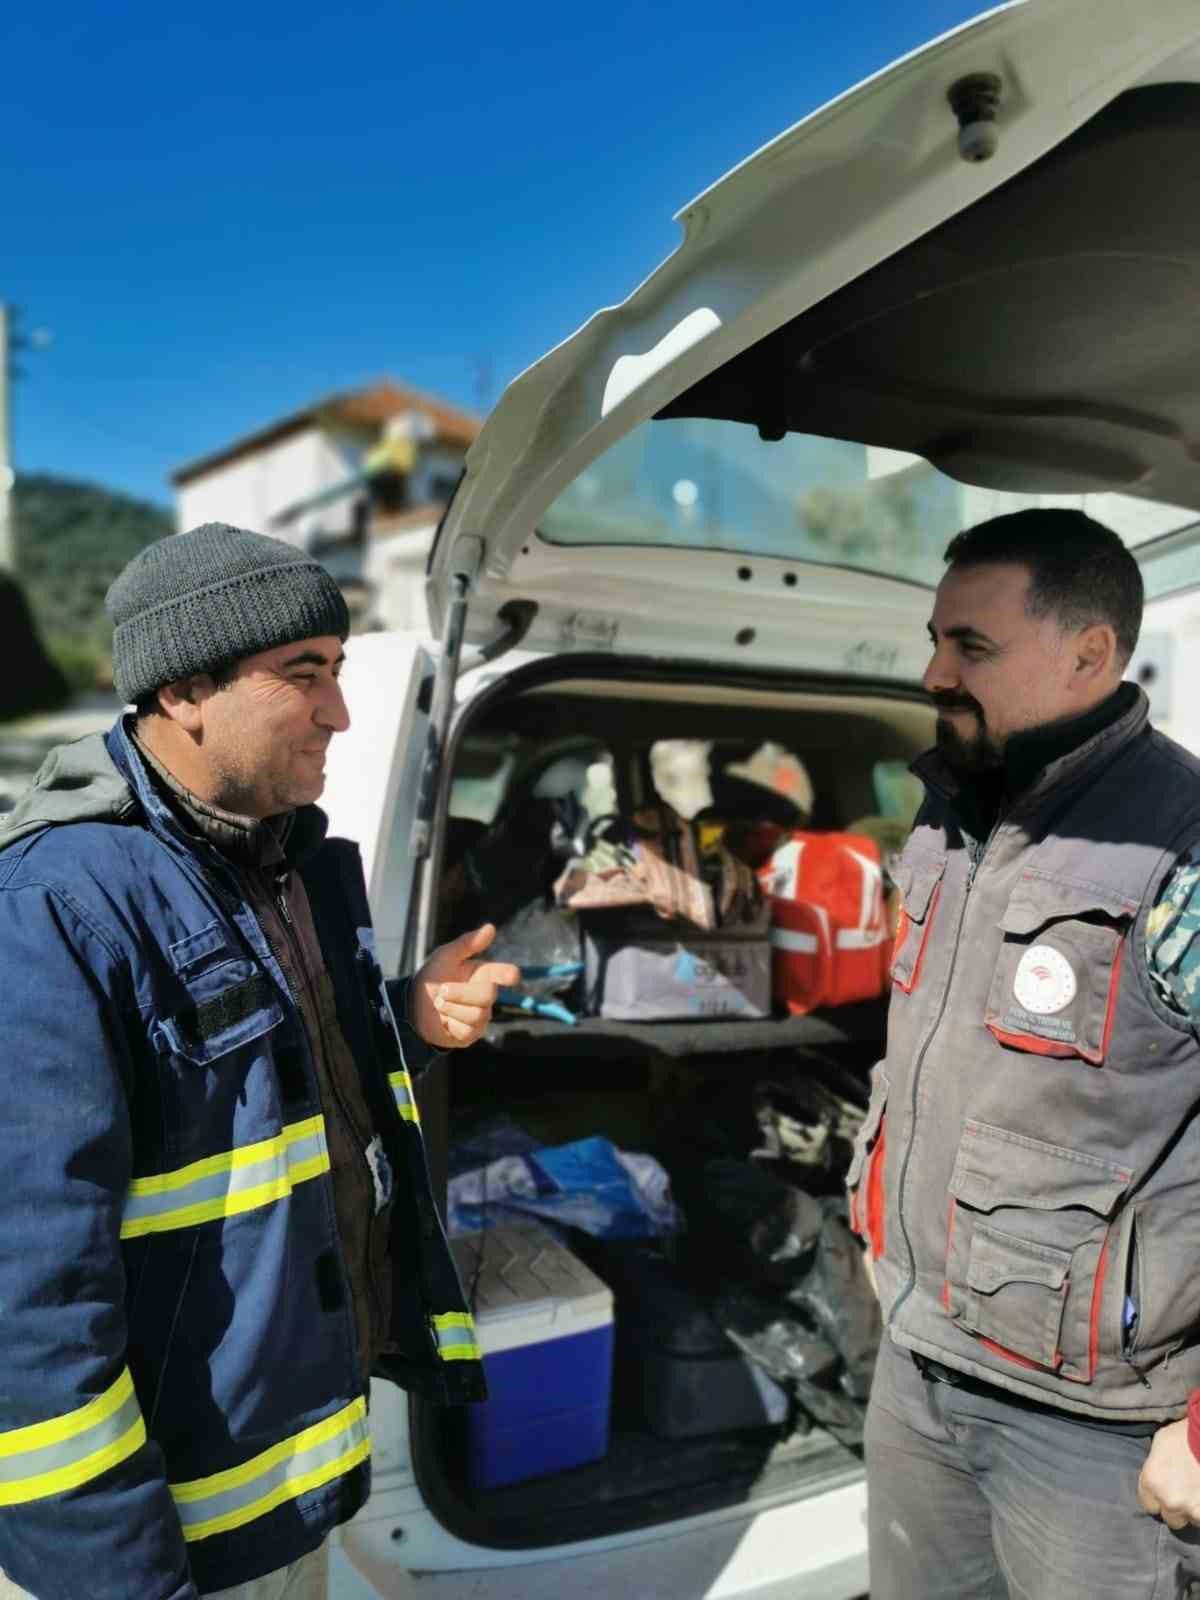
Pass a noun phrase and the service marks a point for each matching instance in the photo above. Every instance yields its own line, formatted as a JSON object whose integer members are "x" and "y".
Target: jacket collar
{"x": 1039, "y": 761}
{"x": 171, "y": 810}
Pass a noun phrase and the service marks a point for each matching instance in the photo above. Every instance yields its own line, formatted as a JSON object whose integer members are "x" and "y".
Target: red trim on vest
{"x": 903, "y": 929}
{"x": 1020, "y": 1361}
{"x": 873, "y": 1184}
{"x": 1097, "y": 1294}
{"x": 950, "y": 1215}
{"x": 1193, "y": 1420}
{"x": 1109, "y": 1015}
{"x": 1032, "y": 1043}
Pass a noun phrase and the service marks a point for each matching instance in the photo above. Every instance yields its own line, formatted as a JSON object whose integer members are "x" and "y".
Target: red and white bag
{"x": 828, "y": 924}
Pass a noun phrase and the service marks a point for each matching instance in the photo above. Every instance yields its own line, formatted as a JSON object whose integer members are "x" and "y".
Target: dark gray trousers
{"x": 973, "y": 1497}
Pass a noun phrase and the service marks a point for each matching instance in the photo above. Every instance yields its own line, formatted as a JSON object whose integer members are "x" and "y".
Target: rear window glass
{"x": 696, "y": 484}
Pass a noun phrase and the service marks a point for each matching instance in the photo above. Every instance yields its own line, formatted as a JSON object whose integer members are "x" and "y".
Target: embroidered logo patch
{"x": 1045, "y": 981}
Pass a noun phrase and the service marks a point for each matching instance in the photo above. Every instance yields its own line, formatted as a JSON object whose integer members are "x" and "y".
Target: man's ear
{"x": 1094, "y": 652}
{"x": 184, "y": 699}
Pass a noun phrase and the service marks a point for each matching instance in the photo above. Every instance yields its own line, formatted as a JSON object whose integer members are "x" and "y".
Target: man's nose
{"x": 333, "y": 712}
{"x": 941, "y": 673}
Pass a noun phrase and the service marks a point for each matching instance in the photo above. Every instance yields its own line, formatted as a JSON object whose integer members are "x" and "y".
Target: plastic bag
{"x": 588, "y": 1184}
{"x": 544, "y": 943}
{"x": 785, "y": 1348}
{"x": 837, "y": 1295}
{"x": 761, "y": 1223}
{"x": 488, "y": 1140}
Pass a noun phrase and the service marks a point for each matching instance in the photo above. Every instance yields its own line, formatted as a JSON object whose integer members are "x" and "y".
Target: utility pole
{"x": 8, "y": 543}
{"x": 10, "y": 339}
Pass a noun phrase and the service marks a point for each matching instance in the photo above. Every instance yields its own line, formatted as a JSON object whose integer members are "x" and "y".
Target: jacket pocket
{"x": 864, "y": 1179}
{"x": 223, "y": 1006}
{"x": 1028, "y": 1247}
{"x": 1056, "y": 981}
{"x": 919, "y": 880}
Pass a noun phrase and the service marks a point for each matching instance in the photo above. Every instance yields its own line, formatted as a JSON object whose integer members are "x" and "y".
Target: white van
{"x": 716, "y": 514}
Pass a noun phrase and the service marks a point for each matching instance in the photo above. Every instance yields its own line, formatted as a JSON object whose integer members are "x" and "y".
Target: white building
{"x": 359, "y": 479}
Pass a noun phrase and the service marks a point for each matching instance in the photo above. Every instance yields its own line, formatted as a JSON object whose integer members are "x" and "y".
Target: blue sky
{"x": 225, "y": 211}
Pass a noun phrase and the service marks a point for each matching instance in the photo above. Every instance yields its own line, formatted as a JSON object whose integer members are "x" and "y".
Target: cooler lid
{"x": 524, "y": 1287}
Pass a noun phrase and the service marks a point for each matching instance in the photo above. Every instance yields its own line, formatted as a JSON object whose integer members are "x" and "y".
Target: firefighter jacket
{"x": 182, "y": 1407}
{"x": 1028, "y": 1176}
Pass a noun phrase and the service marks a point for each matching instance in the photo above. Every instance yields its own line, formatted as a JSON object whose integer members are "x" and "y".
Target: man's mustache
{"x": 957, "y": 702}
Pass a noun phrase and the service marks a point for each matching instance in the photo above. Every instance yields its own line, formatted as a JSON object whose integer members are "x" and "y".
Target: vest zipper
{"x": 977, "y": 854}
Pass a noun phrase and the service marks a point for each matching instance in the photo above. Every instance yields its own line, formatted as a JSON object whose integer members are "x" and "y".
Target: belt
{"x": 936, "y": 1372}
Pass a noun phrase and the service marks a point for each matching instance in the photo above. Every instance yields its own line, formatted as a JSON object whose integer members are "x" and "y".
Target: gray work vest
{"x": 1029, "y": 1171}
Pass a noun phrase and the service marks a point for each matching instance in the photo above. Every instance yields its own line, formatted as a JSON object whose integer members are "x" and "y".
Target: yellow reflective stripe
{"x": 234, "y": 1477}
{"x": 402, "y": 1093}
{"x": 192, "y": 1497}
{"x": 82, "y": 1471}
{"x": 291, "y": 1490}
{"x": 247, "y": 1155}
{"x": 454, "y": 1334}
{"x": 215, "y": 1182}
{"x": 48, "y": 1458}
{"x": 39, "y": 1434}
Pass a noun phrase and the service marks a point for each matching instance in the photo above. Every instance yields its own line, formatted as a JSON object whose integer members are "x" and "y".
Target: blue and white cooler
{"x": 545, "y": 1326}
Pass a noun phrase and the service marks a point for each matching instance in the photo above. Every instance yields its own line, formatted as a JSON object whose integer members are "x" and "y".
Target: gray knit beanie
{"x": 194, "y": 601}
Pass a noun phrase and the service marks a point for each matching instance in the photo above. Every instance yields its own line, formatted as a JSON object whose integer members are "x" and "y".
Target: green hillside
{"x": 72, "y": 540}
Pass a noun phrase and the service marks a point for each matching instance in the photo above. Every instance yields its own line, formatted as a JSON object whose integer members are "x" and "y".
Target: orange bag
{"x": 828, "y": 926}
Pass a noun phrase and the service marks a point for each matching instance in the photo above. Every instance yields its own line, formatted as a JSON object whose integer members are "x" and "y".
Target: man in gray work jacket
{"x": 1028, "y": 1178}
{"x": 216, "y": 1220}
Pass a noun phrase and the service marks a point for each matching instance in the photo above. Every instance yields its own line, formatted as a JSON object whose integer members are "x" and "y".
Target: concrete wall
{"x": 251, "y": 490}
{"x": 396, "y": 572}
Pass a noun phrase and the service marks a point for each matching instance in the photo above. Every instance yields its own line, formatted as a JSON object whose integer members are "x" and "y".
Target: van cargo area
{"x": 692, "y": 1164}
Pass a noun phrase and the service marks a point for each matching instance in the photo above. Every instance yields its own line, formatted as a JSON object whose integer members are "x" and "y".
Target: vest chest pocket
{"x": 919, "y": 879}
{"x": 1054, "y": 990}
{"x": 1027, "y": 1252}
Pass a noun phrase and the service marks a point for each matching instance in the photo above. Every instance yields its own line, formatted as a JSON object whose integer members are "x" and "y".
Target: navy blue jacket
{"x": 181, "y": 1407}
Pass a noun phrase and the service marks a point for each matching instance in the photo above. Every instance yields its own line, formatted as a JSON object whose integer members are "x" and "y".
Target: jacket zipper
{"x": 297, "y": 947}
{"x": 977, "y": 854}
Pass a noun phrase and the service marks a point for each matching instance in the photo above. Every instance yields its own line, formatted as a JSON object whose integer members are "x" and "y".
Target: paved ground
{"x": 26, "y": 741}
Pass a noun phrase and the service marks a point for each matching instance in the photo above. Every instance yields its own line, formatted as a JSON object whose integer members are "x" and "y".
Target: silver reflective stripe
{"x": 454, "y": 1334}
{"x": 238, "y": 1180}
{"x": 230, "y": 1499}
{"x": 860, "y": 938}
{"x": 48, "y": 1458}
{"x": 804, "y": 944}
{"x": 402, "y": 1091}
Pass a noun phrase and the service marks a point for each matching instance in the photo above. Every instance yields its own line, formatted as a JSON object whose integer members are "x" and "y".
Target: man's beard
{"x": 967, "y": 756}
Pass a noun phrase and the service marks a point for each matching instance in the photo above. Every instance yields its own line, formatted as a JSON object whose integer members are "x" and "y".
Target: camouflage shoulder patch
{"x": 1173, "y": 937}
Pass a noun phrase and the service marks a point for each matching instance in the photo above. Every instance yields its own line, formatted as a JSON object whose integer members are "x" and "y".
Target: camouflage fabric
{"x": 1173, "y": 938}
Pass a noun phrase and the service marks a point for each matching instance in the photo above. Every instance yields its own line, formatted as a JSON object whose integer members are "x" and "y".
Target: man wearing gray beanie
{"x": 218, "y": 1221}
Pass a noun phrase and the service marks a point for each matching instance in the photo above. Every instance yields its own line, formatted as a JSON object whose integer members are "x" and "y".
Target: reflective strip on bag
{"x": 48, "y": 1458}
{"x": 231, "y": 1499}
{"x": 402, "y": 1091}
{"x": 804, "y": 944}
{"x": 454, "y": 1334}
{"x": 239, "y": 1180}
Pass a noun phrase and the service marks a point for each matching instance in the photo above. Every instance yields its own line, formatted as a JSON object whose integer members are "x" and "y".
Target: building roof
{"x": 353, "y": 408}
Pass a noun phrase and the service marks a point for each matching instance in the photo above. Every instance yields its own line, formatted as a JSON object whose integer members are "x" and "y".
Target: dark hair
{"x": 146, "y": 705}
{"x": 1079, "y": 571}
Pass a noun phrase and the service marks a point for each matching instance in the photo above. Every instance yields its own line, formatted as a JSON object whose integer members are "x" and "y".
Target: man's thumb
{"x": 477, "y": 941}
